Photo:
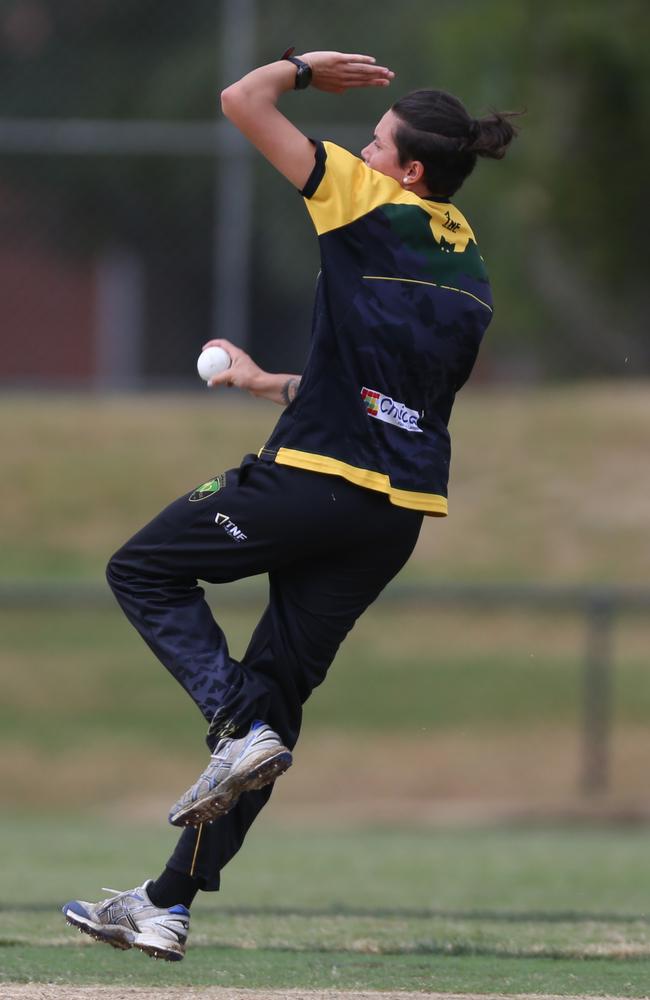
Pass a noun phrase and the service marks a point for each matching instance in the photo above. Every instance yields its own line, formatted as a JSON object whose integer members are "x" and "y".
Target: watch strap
{"x": 303, "y": 69}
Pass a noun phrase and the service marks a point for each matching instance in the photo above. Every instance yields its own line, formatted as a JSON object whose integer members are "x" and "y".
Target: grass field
{"x": 415, "y": 844}
{"x": 547, "y": 910}
{"x": 357, "y": 877}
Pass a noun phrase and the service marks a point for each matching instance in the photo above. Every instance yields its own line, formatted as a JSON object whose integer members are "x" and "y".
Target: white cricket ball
{"x": 212, "y": 361}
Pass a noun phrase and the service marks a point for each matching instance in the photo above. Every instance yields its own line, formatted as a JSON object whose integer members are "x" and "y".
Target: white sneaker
{"x": 130, "y": 920}
{"x": 235, "y": 766}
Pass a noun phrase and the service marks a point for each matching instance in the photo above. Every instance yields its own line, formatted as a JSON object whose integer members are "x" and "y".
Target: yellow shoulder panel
{"x": 349, "y": 189}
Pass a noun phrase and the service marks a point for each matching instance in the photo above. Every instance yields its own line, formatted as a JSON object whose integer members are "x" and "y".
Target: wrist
{"x": 303, "y": 69}
{"x": 261, "y": 383}
{"x": 289, "y": 73}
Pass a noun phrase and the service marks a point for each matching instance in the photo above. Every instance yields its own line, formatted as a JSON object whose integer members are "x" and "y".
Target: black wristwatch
{"x": 303, "y": 71}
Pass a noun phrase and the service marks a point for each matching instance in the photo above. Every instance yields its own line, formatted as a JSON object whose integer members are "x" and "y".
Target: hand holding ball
{"x": 213, "y": 361}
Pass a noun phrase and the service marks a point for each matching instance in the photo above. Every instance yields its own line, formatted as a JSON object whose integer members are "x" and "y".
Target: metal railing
{"x": 599, "y": 605}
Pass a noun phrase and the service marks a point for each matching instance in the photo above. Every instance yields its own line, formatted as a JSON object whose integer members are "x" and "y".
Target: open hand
{"x": 335, "y": 72}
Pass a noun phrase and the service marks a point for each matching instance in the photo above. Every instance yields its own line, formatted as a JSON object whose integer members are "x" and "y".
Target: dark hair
{"x": 436, "y": 129}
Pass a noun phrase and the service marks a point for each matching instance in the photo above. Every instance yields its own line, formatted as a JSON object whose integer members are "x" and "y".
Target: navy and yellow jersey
{"x": 402, "y": 303}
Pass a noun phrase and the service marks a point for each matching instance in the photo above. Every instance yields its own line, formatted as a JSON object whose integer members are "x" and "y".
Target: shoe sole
{"x": 153, "y": 950}
{"x": 119, "y": 937}
{"x": 221, "y": 799}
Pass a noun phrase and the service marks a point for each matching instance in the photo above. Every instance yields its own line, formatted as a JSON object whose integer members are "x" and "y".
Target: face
{"x": 381, "y": 152}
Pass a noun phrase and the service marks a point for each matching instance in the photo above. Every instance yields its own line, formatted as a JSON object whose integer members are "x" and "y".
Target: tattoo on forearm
{"x": 289, "y": 390}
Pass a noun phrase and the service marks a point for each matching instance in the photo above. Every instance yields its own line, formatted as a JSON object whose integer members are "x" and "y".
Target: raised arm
{"x": 251, "y": 105}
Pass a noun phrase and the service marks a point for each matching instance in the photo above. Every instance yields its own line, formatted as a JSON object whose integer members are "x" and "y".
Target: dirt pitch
{"x": 40, "y": 991}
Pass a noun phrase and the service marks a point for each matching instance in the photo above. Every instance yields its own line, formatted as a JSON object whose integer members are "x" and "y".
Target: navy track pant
{"x": 328, "y": 547}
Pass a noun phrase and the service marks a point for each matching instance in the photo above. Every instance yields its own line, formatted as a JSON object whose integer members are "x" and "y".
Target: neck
{"x": 419, "y": 188}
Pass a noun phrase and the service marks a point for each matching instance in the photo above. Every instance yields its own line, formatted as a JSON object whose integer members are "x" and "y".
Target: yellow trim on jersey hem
{"x": 429, "y": 503}
{"x": 416, "y": 281}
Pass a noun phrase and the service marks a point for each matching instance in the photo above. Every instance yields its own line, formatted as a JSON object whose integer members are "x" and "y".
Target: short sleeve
{"x": 316, "y": 176}
{"x": 341, "y": 188}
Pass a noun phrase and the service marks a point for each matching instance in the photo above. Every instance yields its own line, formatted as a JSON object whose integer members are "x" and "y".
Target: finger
{"x": 367, "y": 83}
{"x": 381, "y": 81}
{"x": 350, "y": 57}
{"x": 362, "y": 69}
{"x": 223, "y": 378}
{"x": 220, "y": 342}
{"x": 375, "y": 75}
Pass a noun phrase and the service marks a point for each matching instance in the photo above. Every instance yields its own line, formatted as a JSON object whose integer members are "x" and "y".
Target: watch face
{"x": 303, "y": 71}
{"x": 303, "y": 76}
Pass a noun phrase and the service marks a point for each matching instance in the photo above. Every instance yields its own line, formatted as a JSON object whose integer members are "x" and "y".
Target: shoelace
{"x": 115, "y": 894}
{"x": 220, "y": 753}
{"x": 223, "y": 747}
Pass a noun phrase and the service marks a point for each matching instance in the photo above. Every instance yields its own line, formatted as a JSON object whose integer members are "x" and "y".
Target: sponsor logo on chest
{"x": 388, "y": 410}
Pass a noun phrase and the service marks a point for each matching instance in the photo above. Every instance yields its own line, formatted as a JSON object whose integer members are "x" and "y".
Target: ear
{"x": 413, "y": 173}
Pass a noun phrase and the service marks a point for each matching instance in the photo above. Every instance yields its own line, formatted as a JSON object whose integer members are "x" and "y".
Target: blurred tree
{"x": 560, "y": 222}
{"x": 597, "y": 153}
{"x": 575, "y": 211}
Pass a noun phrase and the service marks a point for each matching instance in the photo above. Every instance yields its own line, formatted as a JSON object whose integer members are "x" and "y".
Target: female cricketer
{"x": 331, "y": 507}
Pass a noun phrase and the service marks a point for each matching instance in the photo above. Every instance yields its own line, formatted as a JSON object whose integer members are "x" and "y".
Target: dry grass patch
{"x": 548, "y": 483}
{"x": 440, "y": 779}
{"x": 36, "y": 991}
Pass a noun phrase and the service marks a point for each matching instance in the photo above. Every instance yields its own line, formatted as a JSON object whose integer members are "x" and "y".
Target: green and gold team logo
{"x": 209, "y": 489}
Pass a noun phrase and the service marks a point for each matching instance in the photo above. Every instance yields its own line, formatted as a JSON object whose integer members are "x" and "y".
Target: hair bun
{"x": 473, "y": 130}
{"x": 491, "y": 135}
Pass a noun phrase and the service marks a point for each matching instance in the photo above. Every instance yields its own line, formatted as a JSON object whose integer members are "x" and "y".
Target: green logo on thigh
{"x": 208, "y": 489}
